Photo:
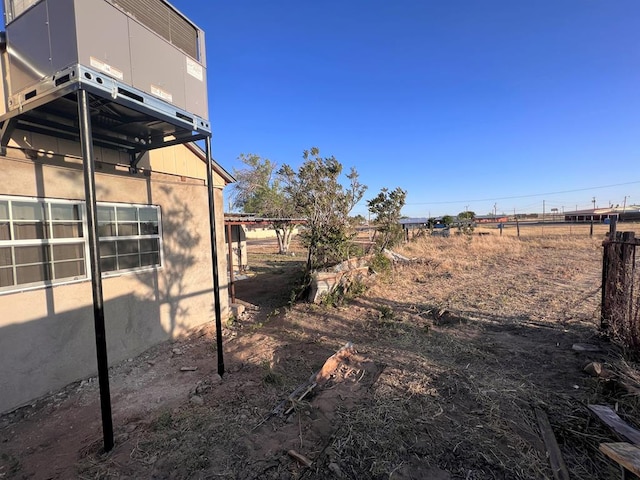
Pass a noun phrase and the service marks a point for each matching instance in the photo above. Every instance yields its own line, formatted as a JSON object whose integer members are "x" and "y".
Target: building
{"x": 491, "y": 219}
{"x": 599, "y": 215}
{"x": 155, "y": 256}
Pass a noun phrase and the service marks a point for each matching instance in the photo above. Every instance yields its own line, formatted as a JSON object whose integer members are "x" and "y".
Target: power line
{"x": 524, "y": 196}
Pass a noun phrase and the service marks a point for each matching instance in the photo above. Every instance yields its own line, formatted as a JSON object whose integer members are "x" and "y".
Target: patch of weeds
{"x": 300, "y": 288}
{"x": 355, "y": 250}
{"x": 333, "y": 298}
{"x": 385, "y": 312}
{"x": 271, "y": 377}
{"x": 344, "y": 293}
{"x": 381, "y": 264}
{"x": 357, "y": 288}
{"x": 163, "y": 422}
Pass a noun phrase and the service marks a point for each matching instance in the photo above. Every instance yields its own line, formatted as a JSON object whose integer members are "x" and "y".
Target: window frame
{"x": 49, "y": 241}
{"x": 122, "y": 238}
{"x": 83, "y": 240}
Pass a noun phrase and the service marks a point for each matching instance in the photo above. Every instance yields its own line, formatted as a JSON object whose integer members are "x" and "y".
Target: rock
{"x": 202, "y": 387}
{"x": 237, "y": 309}
{"x": 197, "y": 400}
{"x": 176, "y": 351}
{"x": 188, "y": 369}
{"x": 216, "y": 379}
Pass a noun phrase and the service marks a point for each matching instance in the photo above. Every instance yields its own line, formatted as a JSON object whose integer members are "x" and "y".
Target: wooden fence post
{"x": 618, "y": 276}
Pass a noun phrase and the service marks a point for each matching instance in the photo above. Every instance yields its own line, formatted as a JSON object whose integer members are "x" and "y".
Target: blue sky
{"x": 458, "y": 102}
{"x": 461, "y": 103}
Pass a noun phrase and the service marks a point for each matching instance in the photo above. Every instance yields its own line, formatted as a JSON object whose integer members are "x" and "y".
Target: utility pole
{"x": 543, "y": 210}
{"x": 624, "y": 204}
{"x": 594, "y": 204}
{"x": 495, "y": 208}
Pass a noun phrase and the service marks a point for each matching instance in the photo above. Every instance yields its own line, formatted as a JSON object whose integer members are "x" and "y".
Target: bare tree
{"x": 258, "y": 190}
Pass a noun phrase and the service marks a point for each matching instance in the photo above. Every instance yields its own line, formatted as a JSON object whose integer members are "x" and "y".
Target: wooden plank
{"x": 625, "y": 454}
{"x": 615, "y": 423}
{"x": 558, "y": 466}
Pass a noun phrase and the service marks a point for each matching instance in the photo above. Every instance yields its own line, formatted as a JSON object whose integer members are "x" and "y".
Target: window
{"x": 44, "y": 242}
{"x": 40, "y": 242}
{"x": 129, "y": 237}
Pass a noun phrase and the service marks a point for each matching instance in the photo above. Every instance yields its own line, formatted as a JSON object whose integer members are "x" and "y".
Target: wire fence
{"x": 597, "y": 230}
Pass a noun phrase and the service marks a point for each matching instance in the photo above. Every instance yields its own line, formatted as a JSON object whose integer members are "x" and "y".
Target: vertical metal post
{"x": 94, "y": 262}
{"x": 232, "y": 279}
{"x": 214, "y": 257}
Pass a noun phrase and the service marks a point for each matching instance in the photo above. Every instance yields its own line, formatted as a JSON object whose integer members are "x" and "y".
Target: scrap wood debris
{"x": 318, "y": 378}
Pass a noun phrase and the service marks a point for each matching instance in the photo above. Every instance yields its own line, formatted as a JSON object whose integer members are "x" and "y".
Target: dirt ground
{"x": 453, "y": 352}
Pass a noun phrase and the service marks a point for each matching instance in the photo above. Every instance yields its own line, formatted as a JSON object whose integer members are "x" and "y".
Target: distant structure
{"x": 629, "y": 213}
{"x": 491, "y": 218}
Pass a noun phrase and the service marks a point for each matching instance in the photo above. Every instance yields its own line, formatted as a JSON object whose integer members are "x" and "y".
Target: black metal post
{"x": 94, "y": 263}
{"x": 214, "y": 257}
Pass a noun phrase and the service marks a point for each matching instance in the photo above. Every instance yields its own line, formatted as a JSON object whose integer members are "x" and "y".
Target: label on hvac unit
{"x": 106, "y": 68}
{"x": 195, "y": 69}
{"x": 164, "y": 95}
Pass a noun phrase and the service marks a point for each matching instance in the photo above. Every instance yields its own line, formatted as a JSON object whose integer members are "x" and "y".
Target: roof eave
{"x": 226, "y": 176}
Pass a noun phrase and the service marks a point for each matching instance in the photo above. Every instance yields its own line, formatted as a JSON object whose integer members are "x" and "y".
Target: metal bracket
{"x": 8, "y": 126}
{"x": 135, "y": 160}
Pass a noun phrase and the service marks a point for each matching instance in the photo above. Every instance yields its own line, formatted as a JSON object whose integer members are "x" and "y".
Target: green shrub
{"x": 380, "y": 263}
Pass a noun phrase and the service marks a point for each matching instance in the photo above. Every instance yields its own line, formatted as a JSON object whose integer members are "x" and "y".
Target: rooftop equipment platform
{"x": 142, "y": 63}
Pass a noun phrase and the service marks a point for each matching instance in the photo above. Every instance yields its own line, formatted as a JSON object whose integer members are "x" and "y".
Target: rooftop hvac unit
{"x": 142, "y": 57}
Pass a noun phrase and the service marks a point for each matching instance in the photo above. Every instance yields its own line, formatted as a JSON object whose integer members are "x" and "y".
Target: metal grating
{"x": 159, "y": 17}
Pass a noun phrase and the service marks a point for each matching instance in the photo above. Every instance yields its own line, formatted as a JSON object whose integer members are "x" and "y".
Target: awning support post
{"x": 214, "y": 257}
{"x": 88, "y": 162}
{"x": 232, "y": 280}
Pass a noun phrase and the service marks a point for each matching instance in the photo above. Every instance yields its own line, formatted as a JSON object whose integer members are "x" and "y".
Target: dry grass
{"x": 469, "y": 338}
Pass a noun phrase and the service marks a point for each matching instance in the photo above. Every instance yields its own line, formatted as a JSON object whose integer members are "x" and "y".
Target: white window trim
{"x": 128, "y": 271}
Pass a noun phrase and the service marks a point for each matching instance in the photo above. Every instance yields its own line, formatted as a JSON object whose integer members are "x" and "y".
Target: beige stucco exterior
{"x": 47, "y": 334}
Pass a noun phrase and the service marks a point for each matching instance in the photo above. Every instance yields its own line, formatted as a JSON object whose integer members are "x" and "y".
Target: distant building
{"x": 623, "y": 214}
{"x": 491, "y": 219}
{"x": 411, "y": 225}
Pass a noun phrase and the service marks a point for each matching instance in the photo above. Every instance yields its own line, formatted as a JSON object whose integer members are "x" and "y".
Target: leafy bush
{"x": 380, "y": 263}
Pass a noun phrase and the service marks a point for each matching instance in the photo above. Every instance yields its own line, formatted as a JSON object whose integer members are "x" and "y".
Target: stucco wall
{"x": 46, "y": 335}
